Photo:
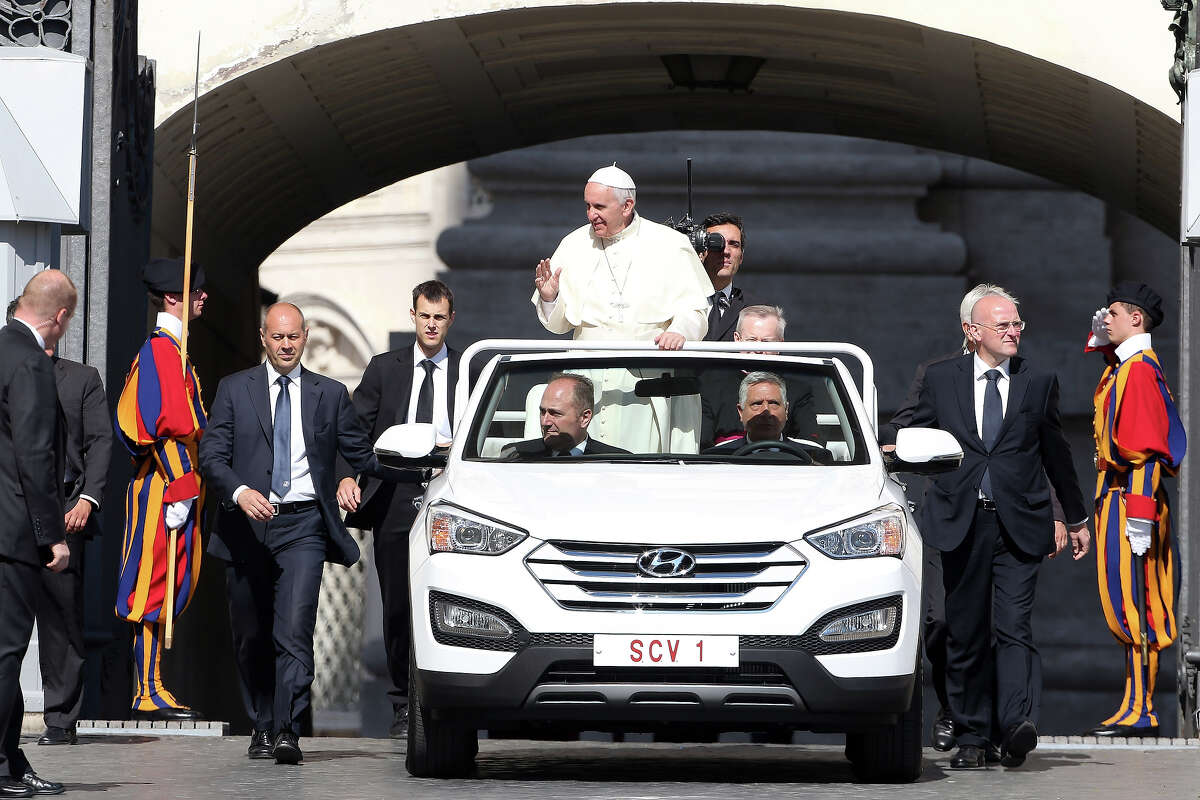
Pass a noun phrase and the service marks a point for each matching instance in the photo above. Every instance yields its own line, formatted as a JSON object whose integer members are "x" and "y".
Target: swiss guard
{"x": 1140, "y": 442}
{"x": 160, "y": 419}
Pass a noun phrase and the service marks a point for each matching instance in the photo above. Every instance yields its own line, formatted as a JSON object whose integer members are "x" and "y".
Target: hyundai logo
{"x": 666, "y": 562}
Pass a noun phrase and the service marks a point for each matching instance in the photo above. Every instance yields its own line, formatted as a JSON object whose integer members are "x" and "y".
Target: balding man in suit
{"x": 32, "y": 528}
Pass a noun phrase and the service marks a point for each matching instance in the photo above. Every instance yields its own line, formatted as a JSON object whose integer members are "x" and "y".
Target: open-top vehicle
{"x": 681, "y": 588}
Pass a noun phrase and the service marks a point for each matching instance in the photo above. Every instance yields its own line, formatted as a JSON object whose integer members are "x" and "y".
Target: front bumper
{"x": 552, "y": 680}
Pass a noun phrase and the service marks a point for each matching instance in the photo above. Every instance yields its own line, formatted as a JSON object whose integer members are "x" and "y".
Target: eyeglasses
{"x": 1004, "y": 327}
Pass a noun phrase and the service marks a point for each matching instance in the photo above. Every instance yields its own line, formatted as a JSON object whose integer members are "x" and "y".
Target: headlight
{"x": 880, "y": 533}
{"x": 456, "y": 530}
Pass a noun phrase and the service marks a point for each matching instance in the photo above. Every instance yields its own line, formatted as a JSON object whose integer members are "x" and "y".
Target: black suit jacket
{"x": 536, "y": 448}
{"x": 1030, "y": 448}
{"x": 88, "y": 435}
{"x": 237, "y": 449}
{"x": 31, "y": 450}
{"x": 382, "y": 400}
{"x": 723, "y": 332}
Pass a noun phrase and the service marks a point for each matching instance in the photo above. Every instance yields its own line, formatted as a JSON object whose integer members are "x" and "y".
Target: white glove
{"x": 1099, "y": 336}
{"x": 177, "y": 513}
{"x": 1138, "y": 531}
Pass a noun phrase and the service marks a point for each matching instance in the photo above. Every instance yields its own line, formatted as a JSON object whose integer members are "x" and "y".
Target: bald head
{"x": 283, "y": 336}
{"x": 46, "y": 293}
{"x": 47, "y": 304}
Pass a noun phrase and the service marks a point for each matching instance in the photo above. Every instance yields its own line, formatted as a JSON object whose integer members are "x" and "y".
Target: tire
{"x": 436, "y": 748}
{"x": 892, "y": 754}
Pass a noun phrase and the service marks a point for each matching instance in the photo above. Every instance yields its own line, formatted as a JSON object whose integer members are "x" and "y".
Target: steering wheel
{"x": 786, "y": 446}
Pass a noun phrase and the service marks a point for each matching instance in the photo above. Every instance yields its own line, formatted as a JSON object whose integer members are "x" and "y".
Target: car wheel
{"x": 436, "y": 748}
{"x": 892, "y": 754}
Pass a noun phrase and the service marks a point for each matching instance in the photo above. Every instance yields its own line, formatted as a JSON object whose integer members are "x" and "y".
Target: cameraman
{"x": 721, "y": 265}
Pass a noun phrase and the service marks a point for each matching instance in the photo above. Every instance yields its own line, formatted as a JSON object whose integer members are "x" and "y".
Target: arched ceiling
{"x": 285, "y": 143}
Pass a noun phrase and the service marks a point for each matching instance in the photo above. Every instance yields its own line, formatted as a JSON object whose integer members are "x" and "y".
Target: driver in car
{"x": 763, "y": 408}
{"x": 565, "y": 412}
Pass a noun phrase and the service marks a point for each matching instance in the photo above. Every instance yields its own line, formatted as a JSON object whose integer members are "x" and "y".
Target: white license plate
{"x": 642, "y": 650}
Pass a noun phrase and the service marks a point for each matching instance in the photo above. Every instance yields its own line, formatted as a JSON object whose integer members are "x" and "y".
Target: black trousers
{"x": 933, "y": 598}
{"x": 18, "y": 587}
{"x": 60, "y": 637}
{"x": 390, "y": 547}
{"x": 273, "y": 612}
{"x": 993, "y": 670}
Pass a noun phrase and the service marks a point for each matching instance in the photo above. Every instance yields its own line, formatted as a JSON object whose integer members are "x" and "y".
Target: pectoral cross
{"x": 620, "y": 305}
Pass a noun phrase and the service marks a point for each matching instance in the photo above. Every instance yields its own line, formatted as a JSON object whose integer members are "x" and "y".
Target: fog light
{"x": 458, "y": 620}
{"x": 875, "y": 624}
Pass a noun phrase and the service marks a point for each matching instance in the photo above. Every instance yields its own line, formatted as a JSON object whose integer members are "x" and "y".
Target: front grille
{"x": 583, "y": 672}
{"x": 592, "y": 576}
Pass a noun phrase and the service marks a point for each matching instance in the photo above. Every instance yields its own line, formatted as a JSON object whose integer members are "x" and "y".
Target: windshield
{"x": 732, "y": 409}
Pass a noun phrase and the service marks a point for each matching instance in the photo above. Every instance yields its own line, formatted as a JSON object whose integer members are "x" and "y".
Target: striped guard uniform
{"x": 160, "y": 419}
{"x": 1139, "y": 441}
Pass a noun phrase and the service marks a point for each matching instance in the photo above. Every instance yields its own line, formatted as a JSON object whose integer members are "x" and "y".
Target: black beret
{"x": 1140, "y": 295}
{"x": 166, "y": 275}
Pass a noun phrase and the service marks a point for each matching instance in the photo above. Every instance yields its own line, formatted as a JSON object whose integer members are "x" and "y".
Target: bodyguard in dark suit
{"x": 565, "y": 412}
{"x": 411, "y": 384}
{"x": 722, "y": 265}
{"x": 274, "y": 434}
{"x": 992, "y": 521}
{"x": 32, "y": 531}
{"x": 60, "y": 599}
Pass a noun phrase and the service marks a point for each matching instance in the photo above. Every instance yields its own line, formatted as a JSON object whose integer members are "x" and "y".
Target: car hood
{"x": 663, "y": 503}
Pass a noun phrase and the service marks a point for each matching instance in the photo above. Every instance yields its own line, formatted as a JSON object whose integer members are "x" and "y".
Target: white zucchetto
{"x": 612, "y": 176}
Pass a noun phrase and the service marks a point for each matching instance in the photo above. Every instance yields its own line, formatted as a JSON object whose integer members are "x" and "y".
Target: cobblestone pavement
{"x": 137, "y": 767}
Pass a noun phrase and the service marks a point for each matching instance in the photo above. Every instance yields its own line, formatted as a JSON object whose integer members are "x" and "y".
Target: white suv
{"x": 768, "y": 586}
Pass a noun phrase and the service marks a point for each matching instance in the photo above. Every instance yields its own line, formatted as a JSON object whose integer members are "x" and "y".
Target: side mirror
{"x": 410, "y": 446}
{"x": 925, "y": 451}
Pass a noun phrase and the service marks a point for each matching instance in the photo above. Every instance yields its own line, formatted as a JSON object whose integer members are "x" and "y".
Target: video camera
{"x": 702, "y": 241}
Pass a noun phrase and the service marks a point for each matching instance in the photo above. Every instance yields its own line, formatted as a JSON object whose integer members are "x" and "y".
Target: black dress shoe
{"x": 11, "y": 787}
{"x": 41, "y": 785}
{"x": 943, "y": 732}
{"x": 287, "y": 748}
{"x": 1019, "y": 740}
{"x": 399, "y": 729}
{"x": 1123, "y": 731}
{"x": 56, "y": 735}
{"x": 260, "y": 745}
{"x": 991, "y": 755}
{"x": 969, "y": 756}
{"x": 169, "y": 714}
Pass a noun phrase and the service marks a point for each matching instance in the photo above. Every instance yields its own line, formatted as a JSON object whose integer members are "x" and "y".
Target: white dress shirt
{"x": 981, "y": 385}
{"x": 300, "y": 486}
{"x": 170, "y": 323}
{"x": 41, "y": 341}
{"x": 441, "y": 411}
{"x": 728, "y": 292}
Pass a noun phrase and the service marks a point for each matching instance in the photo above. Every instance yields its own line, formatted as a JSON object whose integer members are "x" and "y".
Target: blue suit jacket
{"x": 237, "y": 449}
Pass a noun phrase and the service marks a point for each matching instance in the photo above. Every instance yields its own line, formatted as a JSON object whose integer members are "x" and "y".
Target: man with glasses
{"x": 933, "y": 595}
{"x": 991, "y": 520}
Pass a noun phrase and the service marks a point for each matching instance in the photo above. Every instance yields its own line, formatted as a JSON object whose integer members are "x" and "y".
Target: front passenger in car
{"x": 564, "y": 415}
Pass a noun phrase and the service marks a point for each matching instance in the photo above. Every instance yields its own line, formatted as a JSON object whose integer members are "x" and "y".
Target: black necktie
{"x": 281, "y": 468}
{"x": 720, "y": 304}
{"x": 425, "y": 397}
{"x": 993, "y": 416}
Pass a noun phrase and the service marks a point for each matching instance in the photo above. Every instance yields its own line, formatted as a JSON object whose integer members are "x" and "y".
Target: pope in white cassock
{"x": 624, "y": 278}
